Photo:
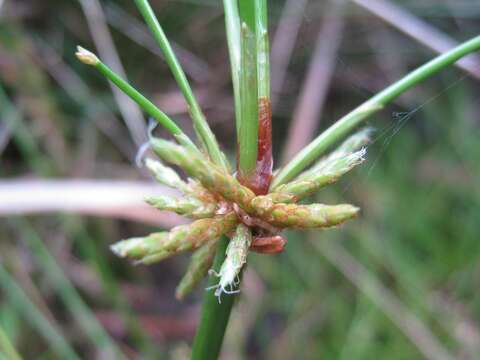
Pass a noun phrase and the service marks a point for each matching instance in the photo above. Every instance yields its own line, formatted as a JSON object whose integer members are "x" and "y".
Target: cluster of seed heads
{"x": 220, "y": 205}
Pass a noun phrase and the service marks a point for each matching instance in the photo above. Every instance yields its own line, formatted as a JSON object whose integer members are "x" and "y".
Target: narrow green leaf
{"x": 89, "y": 58}
{"x": 200, "y": 124}
{"x": 347, "y": 123}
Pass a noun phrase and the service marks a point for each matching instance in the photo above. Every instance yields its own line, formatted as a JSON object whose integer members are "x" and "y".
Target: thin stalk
{"x": 232, "y": 25}
{"x": 214, "y": 317}
{"x": 7, "y": 348}
{"x": 263, "y": 61}
{"x": 342, "y": 127}
{"x": 248, "y": 129}
{"x": 20, "y": 301}
{"x": 89, "y": 58}
{"x": 242, "y": 25}
{"x": 200, "y": 124}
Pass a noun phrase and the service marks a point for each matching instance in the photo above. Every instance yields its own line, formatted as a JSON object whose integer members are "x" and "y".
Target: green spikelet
{"x": 139, "y": 247}
{"x": 156, "y": 247}
{"x": 166, "y": 175}
{"x": 302, "y": 216}
{"x": 187, "y": 206}
{"x": 198, "y": 267}
{"x": 210, "y": 175}
{"x": 236, "y": 257}
{"x": 348, "y": 147}
{"x": 356, "y": 141}
{"x": 197, "y": 191}
{"x": 330, "y": 171}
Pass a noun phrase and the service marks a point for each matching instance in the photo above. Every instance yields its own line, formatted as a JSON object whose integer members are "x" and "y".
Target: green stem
{"x": 214, "y": 317}
{"x": 232, "y": 24}
{"x": 90, "y": 58}
{"x": 200, "y": 124}
{"x": 141, "y": 100}
{"x": 244, "y": 58}
{"x": 248, "y": 129}
{"x": 343, "y": 126}
{"x": 263, "y": 60}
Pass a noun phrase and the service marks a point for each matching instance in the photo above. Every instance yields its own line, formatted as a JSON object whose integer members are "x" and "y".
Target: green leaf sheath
{"x": 248, "y": 130}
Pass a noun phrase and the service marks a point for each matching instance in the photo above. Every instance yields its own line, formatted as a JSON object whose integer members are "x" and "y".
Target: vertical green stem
{"x": 248, "y": 129}
{"x": 204, "y": 132}
{"x": 263, "y": 59}
{"x": 246, "y": 25}
{"x": 232, "y": 25}
{"x": 214, "y": 317}
{"x": 343, "y": 126}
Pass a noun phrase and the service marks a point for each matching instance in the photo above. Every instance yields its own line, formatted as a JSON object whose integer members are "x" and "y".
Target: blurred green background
{"x": 400, "y": 282}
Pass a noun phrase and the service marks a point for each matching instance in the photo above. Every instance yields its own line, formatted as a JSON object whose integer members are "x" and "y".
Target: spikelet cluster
{"x": 219, "y": 205}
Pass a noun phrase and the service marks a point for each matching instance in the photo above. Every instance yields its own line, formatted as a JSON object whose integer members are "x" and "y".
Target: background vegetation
{"x": 400, "y": 282}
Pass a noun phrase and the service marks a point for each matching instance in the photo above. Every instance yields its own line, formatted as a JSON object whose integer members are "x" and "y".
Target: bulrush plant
{"x": 235, "y": 212}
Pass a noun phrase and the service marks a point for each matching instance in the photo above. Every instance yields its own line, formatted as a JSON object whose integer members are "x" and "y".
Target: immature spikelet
{"x": 236, "y": 257}
{"x": 165, "y": 175}
{"x": 356, "y": 141}
{"x": 210, "y": 175}
{"x": 302, "y": 216}
{"x": 196, "y": 190}
{"x": 158, "y": 246}
{"x": 330, "y": 171}
{"x": 198, "y": 267}
{"x": 187, "y": 206}
{"x": 353, "y": 143}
